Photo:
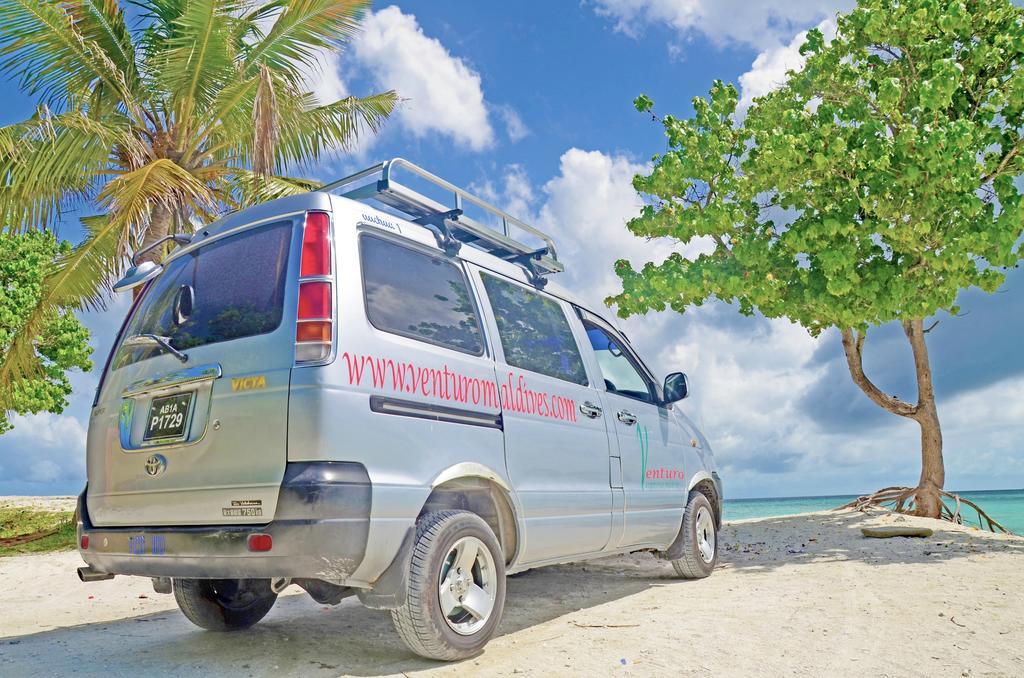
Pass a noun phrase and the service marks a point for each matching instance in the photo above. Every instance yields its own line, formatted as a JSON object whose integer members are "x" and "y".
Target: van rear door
{"x": 201, "y": 441}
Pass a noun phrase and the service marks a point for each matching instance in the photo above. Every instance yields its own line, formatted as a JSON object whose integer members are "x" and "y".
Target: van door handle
{"x": 590, "y": 409}
{"x": 627, "y": 418}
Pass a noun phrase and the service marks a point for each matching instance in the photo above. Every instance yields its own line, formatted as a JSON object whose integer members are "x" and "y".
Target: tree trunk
{"x": 933, "y": 472}
{"x": 928, "y": 501}
{"x": 159, "y": 226}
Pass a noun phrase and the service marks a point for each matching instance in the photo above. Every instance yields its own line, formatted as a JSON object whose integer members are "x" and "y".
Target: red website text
{"x": 452, "y": 386}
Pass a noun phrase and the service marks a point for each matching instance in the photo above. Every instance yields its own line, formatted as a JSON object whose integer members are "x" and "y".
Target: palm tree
{"x": 201, "y": 106}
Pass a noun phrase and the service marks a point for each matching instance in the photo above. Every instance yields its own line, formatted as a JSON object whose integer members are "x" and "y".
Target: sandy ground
{"x": 800, "y": 595}
{"x": 41, "y": 503}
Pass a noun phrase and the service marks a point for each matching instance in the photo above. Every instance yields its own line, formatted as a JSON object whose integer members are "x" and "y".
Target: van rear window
{"x": 237, "y": 290}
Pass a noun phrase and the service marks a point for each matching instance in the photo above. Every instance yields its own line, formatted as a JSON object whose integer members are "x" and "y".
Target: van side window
{"x": 419, "y": 296}
{"x": 620, "y": 374}
{"x": 534, "y": 331}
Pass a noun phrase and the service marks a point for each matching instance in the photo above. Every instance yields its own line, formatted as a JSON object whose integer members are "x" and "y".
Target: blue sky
{"x": 530, "y": 103}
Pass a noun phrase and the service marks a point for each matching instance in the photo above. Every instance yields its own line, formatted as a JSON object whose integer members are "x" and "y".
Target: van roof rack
{"x": 450, "y": 225}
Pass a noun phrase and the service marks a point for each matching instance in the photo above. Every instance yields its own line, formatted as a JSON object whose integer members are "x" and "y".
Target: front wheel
{"x": 456, "y": 587}
{"x": 700, "y": 539}
{"x": 224, "y": 604}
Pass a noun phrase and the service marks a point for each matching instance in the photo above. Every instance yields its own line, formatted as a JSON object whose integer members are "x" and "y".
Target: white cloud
{"x": 50, "y": 430}
{"x": 515, "y": 194}
{"x": 324, "y": 78}
{"x": 770, "y": 67}
{"x": 515, "y": 128}
{"x": 756, "y": 23}
{"x": 586, "y": 209}
{"x": 443, "y": 94}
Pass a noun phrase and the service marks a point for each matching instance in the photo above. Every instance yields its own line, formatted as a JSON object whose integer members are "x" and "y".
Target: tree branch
{"x": 721, "y": 243}
{"x": 1002, "y": 164}
{"x": 853, "y": 345}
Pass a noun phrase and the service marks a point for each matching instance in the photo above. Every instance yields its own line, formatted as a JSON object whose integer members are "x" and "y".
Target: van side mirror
{"x": 138, "y": 275}
{"x": 676, "y": 387}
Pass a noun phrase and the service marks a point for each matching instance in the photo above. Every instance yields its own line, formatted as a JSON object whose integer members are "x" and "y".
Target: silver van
{"x": 365, "y": 391}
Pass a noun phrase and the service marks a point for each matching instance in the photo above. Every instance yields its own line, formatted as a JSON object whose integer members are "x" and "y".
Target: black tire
{"x": 421, "y": 622}
{"x": 224, "y": 604}
{"x": 694, "y": 564}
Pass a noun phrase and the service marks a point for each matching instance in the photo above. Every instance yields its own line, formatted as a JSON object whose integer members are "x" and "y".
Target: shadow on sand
{"x": 300, "y": 637}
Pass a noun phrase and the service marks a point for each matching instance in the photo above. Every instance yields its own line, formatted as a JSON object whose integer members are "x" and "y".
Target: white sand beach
{"x": 40, "y": 503}
{"x": 801, "y": 595}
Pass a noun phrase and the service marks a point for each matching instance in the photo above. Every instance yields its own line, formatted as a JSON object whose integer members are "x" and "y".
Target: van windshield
{"x": 229, "y": 289}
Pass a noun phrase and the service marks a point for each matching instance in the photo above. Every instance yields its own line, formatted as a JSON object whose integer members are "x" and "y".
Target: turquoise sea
{"x": 1005, "y": 506}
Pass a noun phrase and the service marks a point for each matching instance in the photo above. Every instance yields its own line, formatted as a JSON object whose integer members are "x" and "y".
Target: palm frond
{"x": 130, "y": 198}
{"x": 251, "y": 188}
{"x": 197, "y": 59}
{"x": 102, "y": 22}
{"x": 226, "y": 117}
{"x": 250, "y": 30}
{"x": 302, "y": 30}
{"x": 42, "y": 46}
{"x": 47, "y": 161}
{"x": 307, "y": 134}
{"x": 305, "y": 131}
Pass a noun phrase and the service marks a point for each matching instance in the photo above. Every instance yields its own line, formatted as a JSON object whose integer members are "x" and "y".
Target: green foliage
{"x": 198, "y": 107}
{"x": 61, "y": 344}
{"x": 16, "y": 521}
{"x": 877, "y": 183}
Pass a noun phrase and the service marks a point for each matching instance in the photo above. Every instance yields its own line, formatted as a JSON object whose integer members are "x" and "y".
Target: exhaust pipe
{"x": 88, "y": 574}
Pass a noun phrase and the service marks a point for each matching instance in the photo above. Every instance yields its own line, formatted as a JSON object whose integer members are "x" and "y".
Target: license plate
{"x": 168, "y": 417}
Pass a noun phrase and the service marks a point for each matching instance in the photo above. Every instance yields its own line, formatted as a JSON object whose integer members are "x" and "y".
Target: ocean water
{"x": 1005, "y": 506}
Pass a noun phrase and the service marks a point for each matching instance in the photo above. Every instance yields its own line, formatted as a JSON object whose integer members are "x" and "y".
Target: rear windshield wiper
{"x": 155, "y": 340}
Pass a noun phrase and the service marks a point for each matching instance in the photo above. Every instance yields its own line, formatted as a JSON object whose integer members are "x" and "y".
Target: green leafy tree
{"x": 61, "y": 344}
{"x": 200, "y": 106}
{"x": 872, "y": 187}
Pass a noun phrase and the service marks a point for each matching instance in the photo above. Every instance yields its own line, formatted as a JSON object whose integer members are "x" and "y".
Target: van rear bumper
{"x": 319, "y": 531}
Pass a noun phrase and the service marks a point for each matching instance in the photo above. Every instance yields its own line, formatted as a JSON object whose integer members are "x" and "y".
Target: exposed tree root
{"x": 902, "y": 500}
{"x": 7, "y": 542}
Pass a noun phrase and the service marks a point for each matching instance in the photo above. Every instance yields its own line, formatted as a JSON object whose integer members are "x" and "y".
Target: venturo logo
{"x": 659, "y": 477}
{"x": 643, "y": 434}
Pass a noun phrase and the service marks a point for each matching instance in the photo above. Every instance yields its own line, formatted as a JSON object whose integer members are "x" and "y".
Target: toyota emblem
{"x": 156, "y": 465}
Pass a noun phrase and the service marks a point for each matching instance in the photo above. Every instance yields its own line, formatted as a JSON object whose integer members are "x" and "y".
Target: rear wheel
{"x": 224, "y": 604}
{"x": 700, "y": 539}
{"x": 456, "y": 587}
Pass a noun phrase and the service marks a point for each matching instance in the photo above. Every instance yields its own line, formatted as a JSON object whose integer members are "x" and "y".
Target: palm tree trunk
{"x": 159, "y": 226}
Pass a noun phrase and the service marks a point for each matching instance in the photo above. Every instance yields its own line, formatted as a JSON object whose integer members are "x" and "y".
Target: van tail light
{"x": 314, "y": 326}
{"x": 316, "y": 245}
{"x": 260, "y": 543}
